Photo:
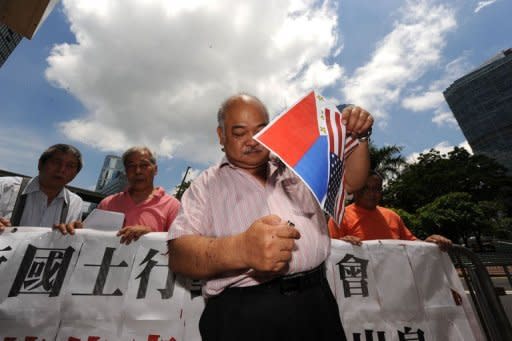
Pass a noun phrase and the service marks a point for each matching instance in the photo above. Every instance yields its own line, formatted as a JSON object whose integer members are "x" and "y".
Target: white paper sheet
{"x": 104, "y": 220}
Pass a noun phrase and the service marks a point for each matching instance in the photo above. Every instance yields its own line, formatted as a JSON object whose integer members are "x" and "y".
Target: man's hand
{"x": 356, "y": 119}
{"x": 443, "y": 243}
{"x": 4, "y": 222}
{"x": 352, "y": 240}
{"x": 132, "y": 233}
{"x": 68, "y": 228}
{"x": 268, "y": 243}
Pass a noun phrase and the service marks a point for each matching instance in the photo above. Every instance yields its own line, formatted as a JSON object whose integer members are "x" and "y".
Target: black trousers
{"x": 281, "y": 310}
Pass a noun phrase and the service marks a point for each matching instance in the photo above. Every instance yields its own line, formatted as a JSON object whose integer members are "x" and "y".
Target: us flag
{"x": 340, "y": 145}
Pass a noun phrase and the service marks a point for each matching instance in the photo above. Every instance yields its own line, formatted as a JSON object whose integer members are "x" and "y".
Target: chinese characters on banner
{"x": 91, "y": 287}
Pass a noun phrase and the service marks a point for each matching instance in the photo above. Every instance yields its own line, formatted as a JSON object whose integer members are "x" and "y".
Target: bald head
{"x": 237, "y": 99}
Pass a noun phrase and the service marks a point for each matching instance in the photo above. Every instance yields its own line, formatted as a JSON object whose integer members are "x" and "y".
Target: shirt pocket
{"x": 302, "y": 201}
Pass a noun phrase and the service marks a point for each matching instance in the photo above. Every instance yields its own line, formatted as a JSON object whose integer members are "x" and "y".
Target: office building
{"x": 8, "y": 42}
{"x": 481, "y": 101}
{"x": 112, "y": 178}
{"x": 20, "y": 19}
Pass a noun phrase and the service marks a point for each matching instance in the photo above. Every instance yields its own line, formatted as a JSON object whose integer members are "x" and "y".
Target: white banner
{"x": 399, "y": 290}
{"x": 89, "y": 287}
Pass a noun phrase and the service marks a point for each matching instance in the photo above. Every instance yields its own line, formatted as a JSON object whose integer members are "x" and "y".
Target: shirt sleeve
{"x": 405, "y": 234}
{"x": 75, "y": 208}
{"x": 9, "y": 187}
{"x": 103, "y": 205}
{"x": 194, "y": 214}
{"x": 334, "y": 230}
{"x": 172, "y": 213}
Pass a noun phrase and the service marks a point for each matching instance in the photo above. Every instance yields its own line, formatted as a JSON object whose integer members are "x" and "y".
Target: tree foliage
{"x": 455, "y": 194}
{"x": 181, "y": 188}
{"x": 454, "y": 215}
{"x": 386, "y": 160}
{"x": 436, "y": 174}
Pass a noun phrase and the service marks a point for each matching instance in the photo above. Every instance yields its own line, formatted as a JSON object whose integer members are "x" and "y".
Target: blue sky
{"x": 107, "y": 75}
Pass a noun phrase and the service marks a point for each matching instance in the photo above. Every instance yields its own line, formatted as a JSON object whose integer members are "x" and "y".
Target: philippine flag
{"x": 311, "y": 140}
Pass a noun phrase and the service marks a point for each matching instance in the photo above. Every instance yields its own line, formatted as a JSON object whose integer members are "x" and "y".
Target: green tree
{"x": 454, "y": 215}
{"x": 386, "y": 160}
{"x": 412, "y": 222}
{"x": 181, "y": 188}
{"x": 435, "y": 174}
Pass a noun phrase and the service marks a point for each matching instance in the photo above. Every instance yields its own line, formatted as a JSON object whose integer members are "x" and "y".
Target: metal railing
{"x": 487, "y": 304}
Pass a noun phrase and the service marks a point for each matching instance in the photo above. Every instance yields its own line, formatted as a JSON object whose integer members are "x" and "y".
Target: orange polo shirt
{"x": 379, "y": 223}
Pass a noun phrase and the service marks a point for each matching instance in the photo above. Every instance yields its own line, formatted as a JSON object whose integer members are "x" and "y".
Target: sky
{"x": 108, "y": 75}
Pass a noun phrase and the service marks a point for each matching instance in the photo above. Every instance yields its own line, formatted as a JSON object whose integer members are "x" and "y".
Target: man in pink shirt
{"x": 146, "y": 208}
{"x": 253, "y": 231}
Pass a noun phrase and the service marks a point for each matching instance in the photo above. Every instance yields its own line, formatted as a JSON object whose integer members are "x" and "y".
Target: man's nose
{"x": 251, "y": 141}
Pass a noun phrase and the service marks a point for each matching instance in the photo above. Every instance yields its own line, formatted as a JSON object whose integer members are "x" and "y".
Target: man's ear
{"x": 220, "y": 134}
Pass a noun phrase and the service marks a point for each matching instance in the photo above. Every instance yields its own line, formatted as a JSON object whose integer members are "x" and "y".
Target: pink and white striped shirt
{"x": 225, "y": 200}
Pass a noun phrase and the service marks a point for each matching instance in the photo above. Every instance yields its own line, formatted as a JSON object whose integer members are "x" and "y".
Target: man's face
{"x": 140, "y": 172}
{"x": 58, "y": 170}
{"x": 370, "y": 195}
{"x": 243, "y": 119}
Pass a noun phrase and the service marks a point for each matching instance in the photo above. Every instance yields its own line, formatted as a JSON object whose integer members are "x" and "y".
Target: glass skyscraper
{"x": 482, "y": 104}
{"x": 112, "y": 178}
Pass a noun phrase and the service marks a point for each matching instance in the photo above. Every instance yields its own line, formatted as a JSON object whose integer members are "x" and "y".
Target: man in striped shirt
{"x": 44, "y": 200}
{"x": 253, "y": 231}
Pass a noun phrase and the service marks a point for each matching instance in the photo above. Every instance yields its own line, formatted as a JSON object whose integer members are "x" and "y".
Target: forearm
{"x": 357, "y": 166}
{"x": 201, "y": 257}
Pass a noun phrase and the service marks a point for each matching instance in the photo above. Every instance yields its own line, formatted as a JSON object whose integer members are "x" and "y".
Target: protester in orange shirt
{"x": 365, "y": 220}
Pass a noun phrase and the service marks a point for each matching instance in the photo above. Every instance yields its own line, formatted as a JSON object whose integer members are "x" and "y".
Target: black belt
{"x": 289, "y": 285}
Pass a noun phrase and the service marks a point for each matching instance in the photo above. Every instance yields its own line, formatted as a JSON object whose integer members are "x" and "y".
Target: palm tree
{"x": 387, "y": 160}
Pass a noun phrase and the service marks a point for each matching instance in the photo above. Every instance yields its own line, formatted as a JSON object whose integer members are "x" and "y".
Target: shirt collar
{"x": 158, "y": 192}
{"x": 274, "y": 164}
{"x": 33, "y": 186}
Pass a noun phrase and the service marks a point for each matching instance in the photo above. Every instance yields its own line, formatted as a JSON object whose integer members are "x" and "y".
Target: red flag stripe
{"x": 350, "y": 144}
{"x": 341, "y": 203}
{"x": 338, "y": 135}
{"x": 329, "y": 130}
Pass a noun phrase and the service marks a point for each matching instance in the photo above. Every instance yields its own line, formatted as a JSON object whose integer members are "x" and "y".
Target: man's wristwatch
{"x": 365, "y": 136}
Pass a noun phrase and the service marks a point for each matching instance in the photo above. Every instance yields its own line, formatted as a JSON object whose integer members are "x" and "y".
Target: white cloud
{"x": 466, "y": 146}
{"x": 401, "y": 57}
{"x": 482, "y": 4}
{"x": 424, "y": 101}
{"x": 442, "y": 118}
{"x": 432, "y": 98}
{"x": 443, "y": 147}
{"x": 155, "y": 72}
{"x": 193, "y": 173}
